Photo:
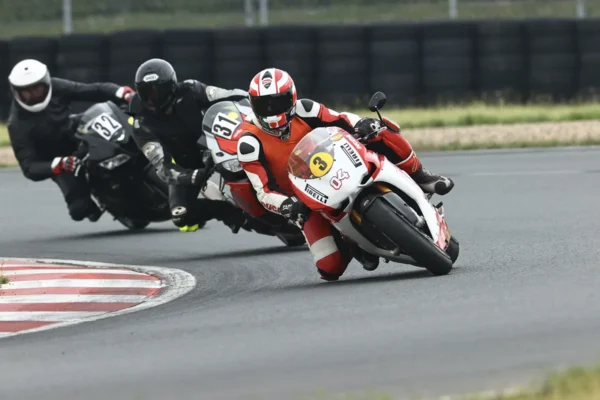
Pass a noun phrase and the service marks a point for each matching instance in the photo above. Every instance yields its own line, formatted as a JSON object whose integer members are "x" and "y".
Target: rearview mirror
{"x": 377, "y": 101}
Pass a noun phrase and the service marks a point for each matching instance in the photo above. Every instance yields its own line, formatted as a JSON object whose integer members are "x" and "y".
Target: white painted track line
{"x": 73, "y": 298}
{"x": 9, "y": 272}
{"x": 129, "y": 283}
{"x": 59, "y": 316}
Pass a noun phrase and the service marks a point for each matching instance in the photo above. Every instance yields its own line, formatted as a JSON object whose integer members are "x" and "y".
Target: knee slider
{"x": 79, "y": 209}
{"x": 327, "y": 276}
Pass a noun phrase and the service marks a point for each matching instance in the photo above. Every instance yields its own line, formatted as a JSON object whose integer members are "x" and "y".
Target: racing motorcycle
{"x": 122, "y": 181}
{"x": 369, "y": 200}
{"x": 219, "y": 125}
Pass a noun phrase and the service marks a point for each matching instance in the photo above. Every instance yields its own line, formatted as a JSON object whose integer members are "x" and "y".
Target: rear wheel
{"x": 453, "y": 249}
{"x": 400, "y": 229}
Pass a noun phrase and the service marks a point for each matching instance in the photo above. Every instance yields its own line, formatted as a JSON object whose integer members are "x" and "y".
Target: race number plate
{"x": 224, "y": 126}
{"x": 106, "y": 126}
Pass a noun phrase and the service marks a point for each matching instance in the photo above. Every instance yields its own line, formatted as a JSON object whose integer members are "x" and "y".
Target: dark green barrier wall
{"x": 415, "y": 64}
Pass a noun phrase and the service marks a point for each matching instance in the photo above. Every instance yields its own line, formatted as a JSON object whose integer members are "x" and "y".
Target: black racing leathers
{"x": 170, "y": 139}
{"x": 170, "y": 142}
{"x": 37, "y": 138}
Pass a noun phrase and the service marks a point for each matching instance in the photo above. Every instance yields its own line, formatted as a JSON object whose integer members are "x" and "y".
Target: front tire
{"x": 397, "y": 228}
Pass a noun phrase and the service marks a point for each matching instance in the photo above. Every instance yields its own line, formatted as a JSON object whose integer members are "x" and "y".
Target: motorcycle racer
{"x": 278, "y": 122}
{"x": 168, "y": 123}
{"x": 42, "y": 133}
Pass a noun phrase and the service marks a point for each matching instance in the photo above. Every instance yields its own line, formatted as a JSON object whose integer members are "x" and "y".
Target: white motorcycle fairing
{"x": 342, "y": 182}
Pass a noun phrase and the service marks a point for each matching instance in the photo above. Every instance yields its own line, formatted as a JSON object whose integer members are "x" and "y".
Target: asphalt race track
{"x": 260, "y": 324}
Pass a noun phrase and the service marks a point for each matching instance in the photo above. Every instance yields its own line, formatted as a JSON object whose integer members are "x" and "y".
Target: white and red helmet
{"x": 273, "y": 100}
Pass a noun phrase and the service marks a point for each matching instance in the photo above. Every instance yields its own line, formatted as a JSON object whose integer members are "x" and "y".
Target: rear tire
{"x": 404, "y": 234}
{"x": 453, "y": 249}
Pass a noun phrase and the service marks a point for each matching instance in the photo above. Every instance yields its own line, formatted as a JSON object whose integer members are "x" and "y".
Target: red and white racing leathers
{"x": 264, "y": 158}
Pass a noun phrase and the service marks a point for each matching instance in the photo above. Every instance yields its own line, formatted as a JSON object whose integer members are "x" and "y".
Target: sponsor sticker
{"x": 317, "y": 195}
{"x": 336, "y": 181}
{"x": 337, "y": 137}
{"x": 150, "y": 78}
{"x": 320, "y": 164}
{"x": 351, "y": 154}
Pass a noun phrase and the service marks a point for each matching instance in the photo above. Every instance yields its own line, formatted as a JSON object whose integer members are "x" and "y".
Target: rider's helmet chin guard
{"x": 31, "y": 85}
{"x": 273, "y": 100}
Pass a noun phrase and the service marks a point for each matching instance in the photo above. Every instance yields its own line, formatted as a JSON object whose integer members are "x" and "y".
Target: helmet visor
{"x": 156, "y": 96}
{"x": 33, "y": 94}
{"x": 271, "y": 105}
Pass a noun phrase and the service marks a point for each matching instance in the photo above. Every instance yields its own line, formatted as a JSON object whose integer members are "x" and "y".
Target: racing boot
{"x": 95, "y": 214}
{"x": 397, "y": 148}
{"x": 233, "y": 217}
{"x": 432, "y": 183}
{"x": 84, "y": 207}
{"x": 206, "y": 209}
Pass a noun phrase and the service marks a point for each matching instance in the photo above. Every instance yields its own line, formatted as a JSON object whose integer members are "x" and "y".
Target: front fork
{"x": 381, "y": 188}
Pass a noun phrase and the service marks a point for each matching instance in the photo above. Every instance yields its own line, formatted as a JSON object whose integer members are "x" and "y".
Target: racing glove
{"x": 368, "y": 128}
{"x": 64, "y": 164}
{"x": 295, "y": 211}
{"x": 125, "y": 93}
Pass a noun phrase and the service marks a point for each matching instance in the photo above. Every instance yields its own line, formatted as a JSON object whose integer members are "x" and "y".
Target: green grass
{"x": 576, "y": 383}
{"x": 3, "y": 280}
{"x": 476, "y": 114}
{"x": 4, "y": 140}
{"x": 482, "y": 114}
{"x": 187, "y": 17}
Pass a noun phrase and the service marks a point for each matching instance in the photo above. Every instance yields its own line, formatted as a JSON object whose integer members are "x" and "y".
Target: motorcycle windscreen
{"x": 313, "y": 156}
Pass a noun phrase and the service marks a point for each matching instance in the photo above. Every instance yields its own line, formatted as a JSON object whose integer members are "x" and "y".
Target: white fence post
{"x": 453, "y": 8}
{"x": 581, "y": 12}
{"x": 264, "y": 12}
{"x": 67, "y": 15}
{"x": 249, "y": 12}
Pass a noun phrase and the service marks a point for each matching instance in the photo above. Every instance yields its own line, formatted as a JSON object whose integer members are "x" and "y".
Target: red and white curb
{"x": 44, "y": 294}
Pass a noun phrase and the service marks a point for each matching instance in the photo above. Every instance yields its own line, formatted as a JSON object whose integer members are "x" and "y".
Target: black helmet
{"x": 155, "y": 84}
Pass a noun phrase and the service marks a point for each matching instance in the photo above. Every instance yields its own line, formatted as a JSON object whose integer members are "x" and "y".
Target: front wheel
{"x": 397, "y": 228}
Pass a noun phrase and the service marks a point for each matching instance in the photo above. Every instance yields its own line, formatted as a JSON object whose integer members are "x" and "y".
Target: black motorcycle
{"x": 121, "y": 179}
